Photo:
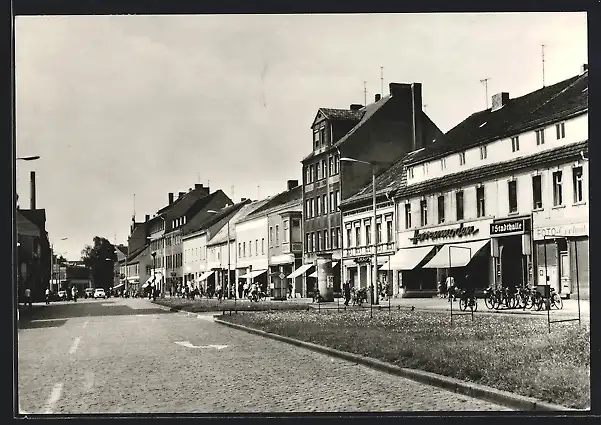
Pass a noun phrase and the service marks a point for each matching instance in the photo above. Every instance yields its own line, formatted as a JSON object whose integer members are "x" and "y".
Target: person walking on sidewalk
{"x": 28, "y": 297}
{"x": 347, "y": 292}
{"x": 47, "y": 296}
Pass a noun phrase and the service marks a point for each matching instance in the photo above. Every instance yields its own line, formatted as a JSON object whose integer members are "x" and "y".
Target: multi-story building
{"x": 166, "y": 227}
{"x": 139, "y": 269}
{"x": 494, "y": 192}
{"x": 378, "y": 133}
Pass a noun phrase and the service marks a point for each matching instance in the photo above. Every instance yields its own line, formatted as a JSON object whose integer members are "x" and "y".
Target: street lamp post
{"x": 373, "y": 296}
{"x": 229, "y": 263}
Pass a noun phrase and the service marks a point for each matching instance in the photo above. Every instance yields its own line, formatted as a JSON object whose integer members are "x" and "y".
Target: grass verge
{"x": 212, "y": 304}
{"x": 515, "y": 354}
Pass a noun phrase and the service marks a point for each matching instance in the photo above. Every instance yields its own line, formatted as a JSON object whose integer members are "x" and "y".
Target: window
{"x": 443, "y": 163}
{"x": 389, "y": 232}
{"x": 557, "y": 189}
{"x": 324, "y": 204}
{"x": 560, "y": 130}
{"x": 410, "y": 172}
{"x": 333, "y": 240}
{"x": 315, "y": 139}
{"x": 337, "y": 200}
{"x": 311, "y": 173}
{"x": 459, "y": 204}
{"x": 315, "y": 172}
{"x": 322, "y": 135}
{"x": 308, "y": 242}
{"x": 577, "y": 181}
{"x": 277, "y": 235}
{"x": 332, "y": 209}
{"x": 513, "y": 196}
{"x": 308, "y": 208}
{"x": 311, "y": 206}
{"x": 425, "y": 165}
{"x": 338, "y": 237}
{"x": 461, "y": 158}
{"x": 331, "y": 163}
{"x": 324, "y": 169}
{"x": 317, "y": 206}
{"x": 250, "y": 249}
{"x": 368, "y": 233}
{"x": 357, "y": 236}
{"x": 348, "y": 238}
{"x": 407, "y": 216}
{"x": 325, "y": 239}
{"x": 318, "y": 241}
{"x": 256, "y": 247}
{"x": 483, "y": 152}
{"x": 270, "y": 237}
{"x": 244, "y": 249}
{"x": 379, "y": 233}
{"x": 441, "y": 209}
{"x": 307, "y": 175}
{"x": 313, "y": 244}
{"x": 515, "y": 144}
{"x": 537, "y": 192}
{"x": 540, "y": 137}
{"x": 336, "y": 163}
{"x": 285, "y": 235}
{"x": 423, "y": 208}
{"x": 480, "y": 202}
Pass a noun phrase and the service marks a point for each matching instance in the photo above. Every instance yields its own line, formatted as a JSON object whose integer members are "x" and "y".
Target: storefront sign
{"x": 561, "y": 231}
{"x": 513, "y": 226}
{"x": 420, "y": 236}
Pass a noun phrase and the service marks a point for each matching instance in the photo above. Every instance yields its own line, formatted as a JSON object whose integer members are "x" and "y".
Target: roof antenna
{"x": 134, "y": 213}
{"x": 485, "y": 82}
{"x": 543, "y": 57}
{"x": 381, "y": 81}
{"x": 365, "y": 93}
{"x": 258, "y": 192}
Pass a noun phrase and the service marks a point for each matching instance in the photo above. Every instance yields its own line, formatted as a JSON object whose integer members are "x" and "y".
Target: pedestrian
{"x": 450, "y": 283}
{"x": 347, "y": 292}
{"x": 240, "y": 289}
{"x": 289, "y": 290}
{"x": 28, "y": 297}
{"x": 47, "y": 296}
{"x": 74, "y": 293}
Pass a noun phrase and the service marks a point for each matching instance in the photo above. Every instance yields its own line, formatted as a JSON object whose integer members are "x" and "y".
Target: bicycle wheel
{"x": 557, "y": 302}
{"x": 474, "y": 304}
{"x": 463, "y": 304}
{"x": 528, "y": 302}
{"x": 489, "y": 301}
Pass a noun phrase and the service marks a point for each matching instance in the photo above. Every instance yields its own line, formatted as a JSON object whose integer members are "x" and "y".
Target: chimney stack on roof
{"x": 499, "y": 100}
{"x": 584, "y": 68}
{"x": 32, "y": 195}
{"x": 243, "y": 199}
{"x": 170, "y": 198}
{"x": 378, "y": 97}
{"x": 355, "y": 107}
{"x": 147, "y": 217}
{"x": 180, "y": 195}
{"x": 292, "y": 184}
{"x": 198, "y": 186}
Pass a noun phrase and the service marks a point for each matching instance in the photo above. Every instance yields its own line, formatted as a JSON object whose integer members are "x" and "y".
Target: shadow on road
{"x": 48, "y": 323}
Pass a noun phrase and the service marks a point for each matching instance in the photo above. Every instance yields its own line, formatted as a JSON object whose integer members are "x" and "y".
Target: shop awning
{"x": 455, "y": 255}
{"x": 118, "y": 286}
{"x": 252, "y": 274}
{"x": 302, "y": 269}
{"x": 204, "y": 276}
{"x": 314, "y": 274}
{"x": 148, "y": 282}
{"x": 407, "y": 258}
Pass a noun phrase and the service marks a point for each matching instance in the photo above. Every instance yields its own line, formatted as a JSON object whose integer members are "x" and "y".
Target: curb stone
{"x": 478, "y": 391}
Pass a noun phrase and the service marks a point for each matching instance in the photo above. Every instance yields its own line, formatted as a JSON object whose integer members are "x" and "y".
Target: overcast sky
{"x": 117, "y": 105}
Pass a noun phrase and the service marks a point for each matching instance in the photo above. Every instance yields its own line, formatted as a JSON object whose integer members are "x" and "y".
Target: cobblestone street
{"x": 128, "y": 356}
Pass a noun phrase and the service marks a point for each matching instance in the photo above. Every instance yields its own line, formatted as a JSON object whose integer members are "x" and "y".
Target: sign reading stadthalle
{"x": 446, "y": 233}
{"x": 510, "y": 226}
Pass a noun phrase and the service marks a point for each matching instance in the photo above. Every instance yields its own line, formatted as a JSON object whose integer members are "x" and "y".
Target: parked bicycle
{"x": 467, "y": 300}
{"x": 554, "y": 300}
{"x": 359, "y": 296}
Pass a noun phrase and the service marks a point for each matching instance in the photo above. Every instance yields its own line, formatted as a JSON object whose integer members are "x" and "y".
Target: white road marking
{"x": 190, "y": 345}
{"x": 85, "y": 323}
{"x": 74, "y": 346}
{"x": 55, "y": 395}
{"x": 88, "y": 381}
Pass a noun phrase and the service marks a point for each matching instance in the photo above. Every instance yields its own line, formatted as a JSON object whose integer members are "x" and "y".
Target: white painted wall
{"x": 248, "y": 232}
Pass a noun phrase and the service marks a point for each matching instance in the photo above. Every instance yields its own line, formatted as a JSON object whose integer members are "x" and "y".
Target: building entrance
{"x": 512, "y": 262}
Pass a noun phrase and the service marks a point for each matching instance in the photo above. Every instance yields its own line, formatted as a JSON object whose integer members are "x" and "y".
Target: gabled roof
{"x": 364, "y": 115}
{"x": 533, "y": 110}
{"x": 292, "y": 196}
{"x": 133, "y": 256}
{"x": 37, "y": 217}
{"x": 197, "y": 220}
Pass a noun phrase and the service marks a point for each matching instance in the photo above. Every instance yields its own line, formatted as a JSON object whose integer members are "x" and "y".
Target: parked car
{"x": 62, "y": 295}
{"x": 99, "y": 293}
{"x": 89, "y": 293}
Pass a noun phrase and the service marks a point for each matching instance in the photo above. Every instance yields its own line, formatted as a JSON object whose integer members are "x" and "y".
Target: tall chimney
{"x": 355, "y": 107}
{"x": 292, "y": 184}
{"x": 170, "y": 198}
{"x": 499, "y": 100}
{"x": 147, "y": 217}
{"x": 378, "y": 97}
{"x": 584, "y": 68}
{"x": 32, "y": 178}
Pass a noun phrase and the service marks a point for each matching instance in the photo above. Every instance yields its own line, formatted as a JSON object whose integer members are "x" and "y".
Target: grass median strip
{"x": 212, "y": 304}
{"x": 515, "y": 354}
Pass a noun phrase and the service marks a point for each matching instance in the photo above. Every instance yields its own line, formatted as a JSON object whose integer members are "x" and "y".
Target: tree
{"x": 100, "y": 258}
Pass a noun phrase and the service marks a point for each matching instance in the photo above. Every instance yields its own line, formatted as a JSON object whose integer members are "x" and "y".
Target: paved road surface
{"x": 128, "y": 356}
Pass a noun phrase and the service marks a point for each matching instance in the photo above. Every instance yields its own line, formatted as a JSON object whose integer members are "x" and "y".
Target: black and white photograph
{"x": 228, "y": 214}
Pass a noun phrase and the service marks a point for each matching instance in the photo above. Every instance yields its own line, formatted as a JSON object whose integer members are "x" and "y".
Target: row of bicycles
{"x": 524, "y": 298}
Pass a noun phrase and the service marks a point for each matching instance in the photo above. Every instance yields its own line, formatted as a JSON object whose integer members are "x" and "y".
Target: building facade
{"x": 378, "y": 133}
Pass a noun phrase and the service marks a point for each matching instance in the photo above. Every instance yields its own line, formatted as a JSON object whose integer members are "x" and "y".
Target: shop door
{"x": 363, "y": 276}
{"x": 564, "y": 273}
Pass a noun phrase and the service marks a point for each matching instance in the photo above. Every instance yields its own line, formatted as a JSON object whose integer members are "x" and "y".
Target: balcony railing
{"x": 383, "y": 248}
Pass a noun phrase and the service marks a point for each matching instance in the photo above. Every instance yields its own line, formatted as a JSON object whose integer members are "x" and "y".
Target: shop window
{"x": 459, "y": 205}
{"x": 513, "y": 196}
{"x": 407, "y": 216}
{"x": 480, "y": 202}
{"x": 515, "y": 144}
{"x": 577, "y": 182}
{"x": 540, "y": 137}
{"x": 557, "y": 189}
{"x": 441, "y": 209}
{"x": 560, "y": 130}
{"x": 423, "y": 208}
{"x": 537, "y": 192}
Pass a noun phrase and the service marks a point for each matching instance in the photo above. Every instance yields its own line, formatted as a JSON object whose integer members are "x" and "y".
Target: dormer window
{"x": 560, "y": 130}
{"x": 540, "y": 137}
{"x": 410, "y": 172}
{"x": 483, "y": 152}
{"x": 443, "y": 163}
{"x": 425, "y": 168}
{"x": 461, "y": 158}
{"x": 316, "y": 139}
{"x": 515, "y": 144}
